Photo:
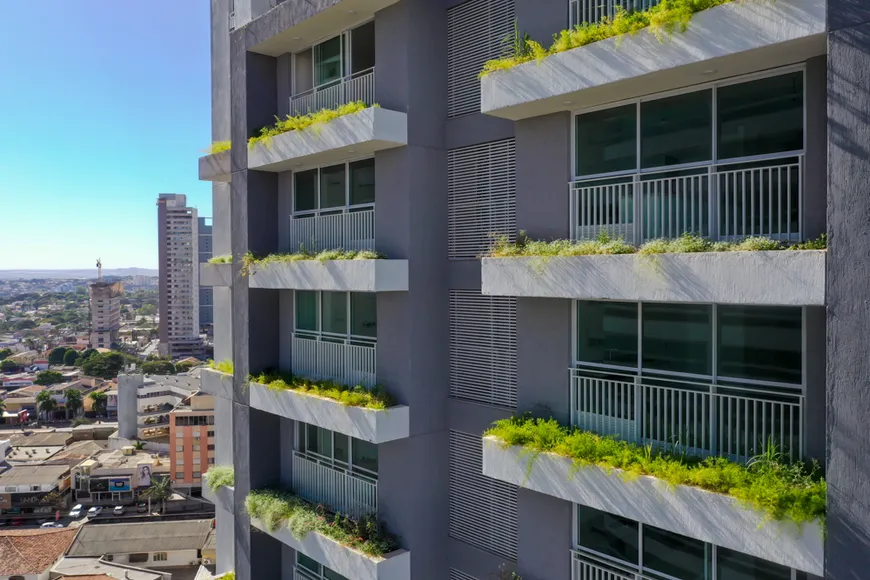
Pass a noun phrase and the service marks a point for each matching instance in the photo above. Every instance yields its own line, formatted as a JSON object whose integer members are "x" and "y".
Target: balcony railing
{"x": 354, "y": 230}
{"x": 359, "y": 86}
{"x": 593, "y": 11}
{"x": 232, "y": 21}
{"x": 720, "y": 202}
{"x": 587, "y": 567}
{"x": 320, "y": 482}
{"x": 336, "y": 359}
{"x": 699, "y": 419}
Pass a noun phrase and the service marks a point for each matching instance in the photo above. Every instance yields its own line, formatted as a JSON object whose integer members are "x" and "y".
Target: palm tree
{"x": 99, "y": 402}
{"x": 45, "y": 402}
{"x": 160, "y": 490}
{"x": 73, "y": 402}
{"x": 138, "y": 445}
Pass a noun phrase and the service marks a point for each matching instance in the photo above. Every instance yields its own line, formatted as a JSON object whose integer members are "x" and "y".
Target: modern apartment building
{"x": 751, "y": 122}
{"x": 145, "y": 404}
{"x": 105, "y": 301}
{"x": 192, "y": 440}
{"x": 178, "y": 297}
{"x": 206, "y": 305}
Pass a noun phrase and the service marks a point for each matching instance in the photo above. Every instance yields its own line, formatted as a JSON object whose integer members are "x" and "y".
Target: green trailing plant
{"x": 795, "y": 492}
{"x": 219, "y": 476}
{"x": 661, "y": 20}
{"x": 218, "y": 147}
{"x": 276, "y": 509}
{"x": 224, "y": 366}
{"x": 820, "y": 243}
{"x": 300, "y": 122}
{"x": 356, "y": 396}
{"x": 228, "y": 576}
{"x": 225, "y": 259}
{"x": 249, "y": 261}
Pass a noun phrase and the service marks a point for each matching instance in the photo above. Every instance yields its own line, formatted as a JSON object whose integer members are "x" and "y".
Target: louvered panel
{"x": 459, "y": 575}
{"x": 483, "y": 348}
{"x": 477, "y": 31}
{"x": 483, "y": 511}
{"x": 481, "y": 197}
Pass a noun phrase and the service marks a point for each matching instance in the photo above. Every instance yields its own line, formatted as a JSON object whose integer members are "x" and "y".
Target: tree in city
{"x": 5, "y": 352}
{"x": 45, "y": 403}
{"x": 183, "y": 367}
{"x": 104, "y": 365}
{"x": 74, "y": 402}
{"x": 48, "y": 378}
{"x": 160, "y": 491}
{"x": 138, "y": 445}
{"x": 55, "y": 357}
{"x": 70, "y": 357}
{"x": 99, "y": 400}
{"x": 158, "y": 367}
{"x": 8, "y": 365}
{"x": 148, "y": 310}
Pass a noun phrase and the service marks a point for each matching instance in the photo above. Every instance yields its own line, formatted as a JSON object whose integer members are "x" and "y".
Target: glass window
{"x": 362, "y": 181}
{"x": 364, "y": 314}
{"x": 305, "y": 190}
{"x": 327, "y": 61}
{"x": 330, "y": 575}
{"x": 307, "y": 563}
{"x": 760, "y": 117}
{"x": 334, "y": 316}
{"x": 731, "y": 565}
{"x": 677, "y": 129}
{"x": 332, "y": 185}
{"x": 676, "y": 555}
{"x": 607, "y": 333}
{"x": 762, "y": 343}
{"x": 678, "y": 338}
{"x": 306, "y": 310}
{"x": 365, "y": 455}
{"x": 606, "y": 141}
{"x": 319, "y": 441}
{"x": 607, "y": 534}
{"x": 342, "y": 447}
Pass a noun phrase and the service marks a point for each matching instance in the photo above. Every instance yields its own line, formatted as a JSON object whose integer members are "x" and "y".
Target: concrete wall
{"x": 128, "y": 407}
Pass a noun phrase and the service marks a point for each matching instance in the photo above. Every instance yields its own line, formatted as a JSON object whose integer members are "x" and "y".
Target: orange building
{"x": 191, "y": 436}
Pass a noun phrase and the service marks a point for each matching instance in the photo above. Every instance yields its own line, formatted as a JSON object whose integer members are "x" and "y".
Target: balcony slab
{"x": 216, "y": 383}
{"x": 795, "y": 278}
{"x": 354, "y": 135}
{"x": 215, "y": 167}
{"x": 224, "y": 497}
{"x": 343, "y": 560}
{"x": 334, "y": 275}
{"x": 215, "y": 275}
{"x": 733, "y": 39}
{"x": 710, "y": 517}
{"x": 375, "y": 426}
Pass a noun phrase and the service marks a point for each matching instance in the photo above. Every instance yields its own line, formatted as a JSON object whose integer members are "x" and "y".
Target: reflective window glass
{"x": 362, "y": 181}
{"x": 342, "y": 447}
{"x": 305, "y": 190}
{"x": 607, "y": 534}
{"x": 676, "y": 555}
{"x": 334, "y": 312}
{"x": 365, "y": 455}
{"x": 332, "y": 182}
{"x": 306, "y": 310}
{"x": 731, "y": 565}
{"x": 607, "y": 333}
{"x": 677, "y": 130}
{"x": 308, "y": 563}
{"x": 678, "y": 338}
{"x": 606, "y": 141}
{"x": 762, "y": 343}
{"x": 364, "y": 314}
{"x": 327, "y": 61}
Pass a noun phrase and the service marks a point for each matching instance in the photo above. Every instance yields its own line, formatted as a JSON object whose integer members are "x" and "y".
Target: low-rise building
{"x": 192, "y": 444}
{"x": 17, "y": 380}
{"x": 102, "y": 569}
{"x": 41, "y": 363}
{"x": 117, "y": 475}
{"x": 144, "y": 403}
{"x": 33, "y": 491}
{"x": 31, "y": 554}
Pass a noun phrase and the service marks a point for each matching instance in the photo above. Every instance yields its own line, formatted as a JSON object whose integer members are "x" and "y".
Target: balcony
{"x": 319, "y": 481}
{"x": 346, "y": 361}
{"x": 358, "y": 86}
{"x": 215, "y": 167}
{"x": 592, "y": 11}
{"x": 351, "y": 230}
{"x": 216, "y": 383}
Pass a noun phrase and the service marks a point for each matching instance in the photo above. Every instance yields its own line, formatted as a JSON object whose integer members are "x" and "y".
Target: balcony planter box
{"x": 215, "y": 167}
{"x": 777, "y": 278}
{"x": 375, "y": 426}
{"x": 224, "y": 497}
{"x": 216, "y": 275}
{"x": 337, "y": 275}
{"x": 773, "y": 33}
{"x": 356, "y": 134}
{"x": 693, "y": 512}
{"x": 216, "y": 383}
{"x": 343, "y": 560}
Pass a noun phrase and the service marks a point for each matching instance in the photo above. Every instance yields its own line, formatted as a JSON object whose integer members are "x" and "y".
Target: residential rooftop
{"x": 97, "y": 568}
{"x": 115, "y": 459}
{"x": 32, "y": 474}
{"x": 24, "y": 552}
{"x": 96, "y": 540}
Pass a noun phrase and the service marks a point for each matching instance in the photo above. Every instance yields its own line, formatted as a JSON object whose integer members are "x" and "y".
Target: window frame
{"x": 344, "y": 466}
{"x": 346, "y": 56}
{"x": 347, "y": 207}
{"x": 320, "y": 335}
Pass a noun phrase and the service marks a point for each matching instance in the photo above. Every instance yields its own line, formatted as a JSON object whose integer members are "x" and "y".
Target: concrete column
{"x": 544, "y": 536}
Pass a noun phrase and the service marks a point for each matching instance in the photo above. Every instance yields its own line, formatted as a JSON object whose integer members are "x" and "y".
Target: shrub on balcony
{"x": 795, "y": 492}
{"x": 219, "y": 476}
{"x": 300, "y": 122}
{"x": 356, "y": 396}
{"x": 224, "y": 366}
{"x": 218, "y": 147}
{"x": 277, "y": 508}
{"x": 225, "y": 259}
{"x": 249, "y": 261}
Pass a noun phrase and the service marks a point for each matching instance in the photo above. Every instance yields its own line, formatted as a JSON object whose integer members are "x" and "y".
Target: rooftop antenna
{"x": 99, "y": 270}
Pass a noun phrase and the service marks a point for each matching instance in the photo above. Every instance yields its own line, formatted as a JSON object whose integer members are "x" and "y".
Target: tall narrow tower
{"x": 105, "y": 299}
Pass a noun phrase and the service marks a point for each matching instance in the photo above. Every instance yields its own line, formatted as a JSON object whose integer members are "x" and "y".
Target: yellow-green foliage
{"x": 249, "y": 261}
{"x": 357, "y": 396}
{"x": 224, "y": 366}
{"x": 219, "y": 476}
{"x": 225, "y": 259}
{"x": 219, "y": 147}
{"x": 299, "y": 122}
{"x": 660, "y": 20}
{"x": 794, "y": 492}
{"x": 228, "y": 576}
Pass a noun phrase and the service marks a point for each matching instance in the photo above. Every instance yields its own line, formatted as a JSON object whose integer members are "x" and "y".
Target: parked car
{"x": 51, "y": 525}
{"x": 119, "y": 510}
{"x": 142, "y": 508}
{"x": 17, "y": 521}
{"x": 95, "y": 511}
{"x": 76, "y": 512}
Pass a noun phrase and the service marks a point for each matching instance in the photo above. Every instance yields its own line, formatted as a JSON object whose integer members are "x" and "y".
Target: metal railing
{"x": 232, "y": 21}
{"x": 353, "y": 230}
{"x": 699, "y": 419}
{"x": 593, "y": 11}
{"x": 587, "y": 567}
{"x": 334, "y": 359}
{"x": 339, "y": 490}
{"x": 721, "y": 202}
{"x": 359, "y": 86}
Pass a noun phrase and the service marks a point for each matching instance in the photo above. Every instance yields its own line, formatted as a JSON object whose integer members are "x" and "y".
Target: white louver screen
{"x": 459, "y": 575}
{"x": 481, "y": 197}
{"x": 477, "y": 31}
{"x": 483, "y": 348}
{"x": 483, "y": 511}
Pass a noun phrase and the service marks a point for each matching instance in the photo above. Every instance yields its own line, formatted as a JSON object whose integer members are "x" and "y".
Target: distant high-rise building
{"x": 105, "y": 300}
{"x": 178, "y": 295}
{"x": 206, "y": 298}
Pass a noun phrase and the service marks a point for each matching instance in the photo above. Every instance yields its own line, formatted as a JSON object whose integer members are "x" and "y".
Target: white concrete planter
{"x": 215, "y": 167}
{"x": 693, "y": 512}
{"x": 354, "y": 135}
{"x": 375, "y": 426}
{"x": 338, "y": 275}
{"x": 216, "y": 383}
{"x": 347, "y": 562}
{"x": 215, "y": 275}
{"x": 772, "y": 33}
{"x": 777, "y": 278}
{"x": 224, "y": 497}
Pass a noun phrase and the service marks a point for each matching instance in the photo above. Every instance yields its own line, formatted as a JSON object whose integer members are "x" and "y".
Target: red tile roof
{"x": 32, "y": 551}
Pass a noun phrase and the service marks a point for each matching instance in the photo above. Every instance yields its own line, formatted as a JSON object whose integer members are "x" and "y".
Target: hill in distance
{"x": 66, "y": 274}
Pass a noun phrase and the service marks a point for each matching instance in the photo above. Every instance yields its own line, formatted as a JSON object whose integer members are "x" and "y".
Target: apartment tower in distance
{"x": 105, "y": 301}
{"x": 751, "y": 123}
{"x": 178, "y": 294}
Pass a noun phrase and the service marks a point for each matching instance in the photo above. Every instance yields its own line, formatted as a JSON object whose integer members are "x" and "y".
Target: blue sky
{"x": 103, "y": 105}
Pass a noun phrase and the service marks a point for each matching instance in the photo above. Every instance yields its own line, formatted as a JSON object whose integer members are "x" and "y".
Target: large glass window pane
{"x": 362, "y": 47}
{"x": 307, "y": 563}
{"x": 306, "y": 310}
{"x": 364, "y": 314}
{"x": 762, "y": 343}
{"x": 319, "y": 441}
{"x": 330, "y": 575}
{"x": 731, "y": 565}
{"x": 332, "y": 193}
{"x": 305, "y": 190}
{"x": 678, "y": 338}
{"x": 334, "y": 316}
{"x": 606, "y": 141}
{"x": 677, "y": 129}
{"x": 342, "y": 447}
{"x": 607, "y": 333}
{"x": 327, "y": 61}
{"x": 365, "y": 455}
{"x": 761, "y": 117}
{"x": 607, "y": 534}
{"x": 362, "y": 181}
{"x": 675, "y": 555}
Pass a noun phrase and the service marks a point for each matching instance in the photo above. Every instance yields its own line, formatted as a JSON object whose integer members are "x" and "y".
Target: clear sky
{"x": 103, "y": 105}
